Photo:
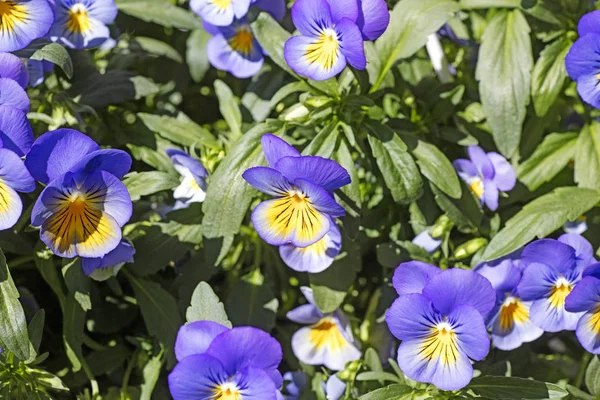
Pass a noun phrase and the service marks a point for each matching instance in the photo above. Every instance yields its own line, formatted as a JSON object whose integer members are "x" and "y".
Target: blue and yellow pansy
{"x": 23, "y": 21}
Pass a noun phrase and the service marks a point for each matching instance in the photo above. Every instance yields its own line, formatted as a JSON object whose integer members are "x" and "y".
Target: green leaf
{"x": 77, "y": 283}
{"x": 181, "y": 130}
{"x": 504, "y": 75}
{"x": 540, "y": 218}
{"x": 397, "y": 166}
{"x": 508, "y": 388}
{"x": 73, "y": 329}
{"x": 55, "y": 54}
{"x": 195, "y": 55}
{"x": 114, "y": 87}
{"x": 465, "y": 212}
{"x": 36, "y": 329}
{"x": 145, "y": 183}
{"x": 228, "y": 196}
{"x": 272, "y": 38}
{"x": 160, "y": 312}
{"x": 434, "y": 165}
{"x": 392, "y": 392}
{"x": 229, "y": 108}
{"x": 587, "y": 157}
{"x": 377, "y": 376}
{"x": 344, "y": 158}
{"x": 411, "y": 22}
{"x": 473, "y": 4}
{"x": 324, "y": 143}
{"x": 592, "y": 376}
{"x": 549, "y": 158}
{"x": 250, "y": 304}
{"x": 157, "y": 48}
{"x": 578, "y": 393}
{"x": 206, "y": 306}
{"x": 13, "y": 327}
{"x": 549, "y": 74}
{"x": 151, "y": 373}
{"x": 160, "y": 12}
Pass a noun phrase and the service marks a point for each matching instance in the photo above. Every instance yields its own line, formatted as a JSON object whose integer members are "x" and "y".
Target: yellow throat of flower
{"x": 10, "y": 15}
{"x": 477, "y": 187}
{"x": 559, "y": 293}
{"x": 227, "y": 391}
{"x": 511, "y": 312}
{"x": 242, "y": 41}
{"x": 78, "y": 20}
{"x": 440, "y": 343}
{"x": 222, "y": 4}
{"x": 324, "y": 51}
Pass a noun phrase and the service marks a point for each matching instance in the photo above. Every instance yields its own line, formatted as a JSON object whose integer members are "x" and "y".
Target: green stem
{"x": 89, "y": 374}
{"x": 585, "y": 360}
{"x": 128, "y": 371}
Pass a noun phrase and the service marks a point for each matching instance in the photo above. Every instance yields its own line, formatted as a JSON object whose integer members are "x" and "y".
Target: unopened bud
{"x": 469, "y": 248}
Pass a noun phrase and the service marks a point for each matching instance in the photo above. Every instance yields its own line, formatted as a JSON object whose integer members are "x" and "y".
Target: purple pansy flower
{"x": 103, "y": 268}
{"x": 327, "y": 341}
{"x": 81, "y": 24}
{"x": 193, "y": 183}
{"x": 218, "y": 362}
{"x": 552, "y": 269}
{"x": 486, "y": 175}
{"x": 585, "y": 298}
{"x": 509, "y": 321}
{"x": 84, "y": 205}
{"x": 583, "y": 58}
{"x": 220, "y": 12}
{"x": 439, "y": 317}
{"x": 302, "y": 186}
{"x": 23, "y": 21}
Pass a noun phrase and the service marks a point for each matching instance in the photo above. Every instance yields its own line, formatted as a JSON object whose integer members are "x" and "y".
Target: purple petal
{"x": 311, "y": 16}
{"x": 275, "y": 148}
{"x": 373, "y": 18}
{"x": 277, "y": 8}
{"x": 412, "y": 276}
{"x": 13, "y": 68}
{"x": 490, "y": 194}
{"x": 587, "y": 87}
{"x": 465, "y": 169}
{"x": 411, "y": 316}
{"x": 123, "y": 253}
{"x": 267, "y": 180}
{"x": 585, "y": 296}
{"x": 255, "y": 384}
{"x": 13, "y": 95}
{"x": 504, "y": 277}
{"x": 14, "y": 173}
{"x": 11, "y": 206}
{"x": 584, "y": 252}
{"x": 319, "y": 198}
{"x": 553, "y": 319}
{"x": 341, "y": 9}
{"x": 182, "y": 160}
{"x": 196, "y": 377}
{"x": 583, "y": 58}
{"x": 505, "y": 177}
{"x": 196, "y": 337}
{"x": 589, "y": 23}
{"x": 15, "y": 132}
{"x": 425, "y": 241}
{"x": 519, "y": 332}
{"x": 351, "y": 43}
{"x": 242, "y": 62}
{"x": 588, "y": 331}
{"x": 593, "y": 270}
{"x": 335, "y": 388}
{"x": 321, "y": 171}
{"x": 38, "y": 17}
{"x": 537, "y": 281}
{"x": 481, "y": 162}
{"x": 116, "y": 162}
{"x": 550, "y": 252}
{"x": 470, "y": 330}
{"x": 305, "y": 314}
{"x": 315, "y": 258}
{"x": 454, "y": 287}
{"x": 307, "y": 57}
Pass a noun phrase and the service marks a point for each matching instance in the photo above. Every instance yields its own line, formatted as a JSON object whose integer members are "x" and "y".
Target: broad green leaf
{"x": 13, "y": 327}
{"x": 465, "y": 212}
{"x": 471, "y": 4}
{"x": 195, "y": 54}
{"x": 77, "y": 283}
{"x": 160, "y": 312}
{"x": 181, "y": 130}
{"x": 157, "y": 48}
{"x": 250, "y": 304}
{"x": 229, "y": 108}
{"x": 160, "y": 12}
{"x": 397, "y": 166}
{"x": 228, "y": 196}
{"x": 392, "y": 392}
{"x": 578, "y": 393}
{"x": 508, "y": 388}
{"x": 155, "y": 158}
{"x": 411, "y": 22}
{"x": 434, "y": 165}
{"x": 344, "y": 157}
{"x": 592, "y": 376}
{"x": 540, "y": 218}
{"x": 206, "y": 306}
{"x": 36, "y": 329}
{"x": 145, "y": 183}
{"x": 151, "y": 373}
{"x": 272, "y": 38}
{"x": 504, "y": 75}
{"x": 549, "y": 74}
{"x": 73, "y": 330}
{"x": 549, "y": 158}
{"x": 377, "y": 376}
{"x": 55, "y": 54}
{"x": 324, "y": 143}
{"x": 587, "y": 157}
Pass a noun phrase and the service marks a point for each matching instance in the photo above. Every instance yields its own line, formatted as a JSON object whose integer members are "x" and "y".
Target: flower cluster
{"x": 301, "y": 217}
{"x": 332, "y": 35}
{"x": 486, "y": 175}
{"x": 583, "y": 57}
{"x": 77, "y": 24}
{"x": 222, "y": 363}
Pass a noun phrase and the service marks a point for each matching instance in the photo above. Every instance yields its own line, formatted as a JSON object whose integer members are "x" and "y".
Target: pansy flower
{"x": 585, "y": 298}
{"x": 221, "y": 363}
{"x": 486, "y": 175}
{"x": 426, "y": 241}
{"x": 81, "y": 24}
{"x": 327, "y": 341}
{"x": 13, "y": 68}
{"x": 583, "y": 58}
{"x": 439, "y": 317}
{"x": 102, "y": 268}
{"x": 509, "y": 321}
{"x": 552, "y": 269}
{"x": 23, "y": 21}
{"x": 297, "y": 382}
{"x": 330, "y": 39}
{"x": 233, "y": 48}
{"x": 192, "y": 188}
{"x": 220, "y": 12}
{"x": 303, "y": 206}
{"x": 579, "y": 226}
{"x": 84, "y": 205}
{"x": 14, "y": 178}
{"x": 316, "y": 257}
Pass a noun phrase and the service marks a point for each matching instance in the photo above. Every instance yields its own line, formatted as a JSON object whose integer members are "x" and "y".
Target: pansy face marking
{"x": 559, "y": 292}
{"x": 22, "y": 21}
{"x": 326, "y": 333}
{"x": 10, "y": 15}
{"x": 324, "y": 51}
{"x": 228, "y": 391}
{"x": 512, "y": 311}
{"x": 242, "y": 41}
{"x": 78, "y": 20}
{"x": 441, "y": 344}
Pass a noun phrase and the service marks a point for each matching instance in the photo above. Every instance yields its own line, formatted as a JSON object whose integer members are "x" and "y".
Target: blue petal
{"x": 267, "y": 180}
{"x": 277, "y": 8}
{"x": 315, "y": 258}
{"x": 411, "y": 277}
{"x": 588, "y": 331}
{"x": 584, "y": 252}
{"x": 589, "y": 23}
{"x": 321, "y": 171}
{"x": 305, "y": 314}
{"x": 481, "y": 161}
{"x": 13, "y": 95}
{"x": 583, "y": 57}
{"x": 196, "y": 337}
{"x": 550, "y": 252}
{"x": 276, "y": 148}
{"x": 13, "y": 68}
{"x": 116, "y": 162}
{"x": 240, "y": 64}
{"x": 123, "y": 253}
{"x": 15, "y": 132}
{"x": 504, "y": 277}
{"x": 537, "y": 281}
{"x": 39, "y": 18}
{"x": 324, "y": 65}
{"x": 585, "y": 296}
{"x": 351, "y": 43}
{"x": 341, "y": 9}
{"x": 411, "y": 316}
{"x": 311, "y": 16}
{"x": 196, "y": 377}
{"x": 14, "y": 173}
{"x": 320, "y": 199}
{"x": 373, "y": 18}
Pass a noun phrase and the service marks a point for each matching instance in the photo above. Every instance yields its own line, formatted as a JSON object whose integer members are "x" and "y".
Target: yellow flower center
{"x": 441, "y": 343}
{"x": 10, "y": 15}
{"x": 222, "y": 4}
{"x": 78, "y": 21}
{"x": 477, "y": 187}
{"x": 326, "y": 333}
{"x": 324, "y": 51}
{"x": 227, "y": 391}
{"x": 512, "y": 311}
{"x": 242, "y": 41}
{"x": 594, "y": 323}
{"x": 559, "y": 292}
